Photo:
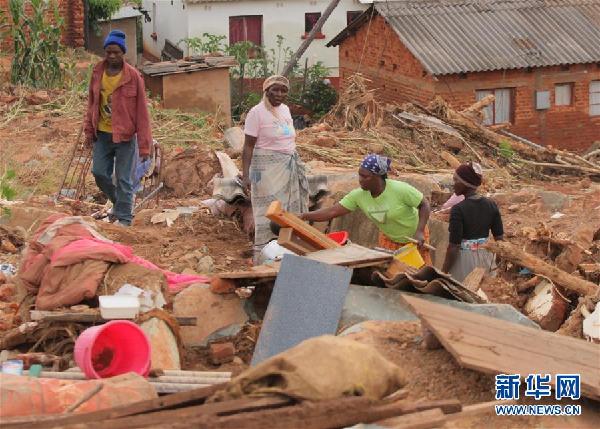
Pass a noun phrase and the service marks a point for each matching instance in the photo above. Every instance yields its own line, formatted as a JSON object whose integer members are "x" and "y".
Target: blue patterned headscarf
{"x": 376, "y": 164}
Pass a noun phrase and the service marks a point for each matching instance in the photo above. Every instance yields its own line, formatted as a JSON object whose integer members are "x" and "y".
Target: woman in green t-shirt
{"x": 399, "y": 210}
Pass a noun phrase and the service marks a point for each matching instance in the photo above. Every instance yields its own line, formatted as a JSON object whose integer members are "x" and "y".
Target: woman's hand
{"x": 420, "y": 238}
{"x": 245, "y": 182}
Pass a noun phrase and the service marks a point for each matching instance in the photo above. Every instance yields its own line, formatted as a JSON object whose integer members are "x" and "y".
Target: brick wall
{"x": 568, "y": 127}
{"x": 73, "y": 14}
{"x": 399, "y": 77}
{"x": 392, "y": 69}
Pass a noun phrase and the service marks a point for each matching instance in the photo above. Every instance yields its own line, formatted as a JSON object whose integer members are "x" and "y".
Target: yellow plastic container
{"x": 410, "y": 255}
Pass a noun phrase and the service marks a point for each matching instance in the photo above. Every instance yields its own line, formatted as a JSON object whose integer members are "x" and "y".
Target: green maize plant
{"x": 36, "y": 44}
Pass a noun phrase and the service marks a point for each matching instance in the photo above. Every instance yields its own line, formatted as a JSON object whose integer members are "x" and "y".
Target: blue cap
{"x": 116, "y": 37}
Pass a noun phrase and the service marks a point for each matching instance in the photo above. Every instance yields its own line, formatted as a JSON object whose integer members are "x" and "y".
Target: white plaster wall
{"x": 169, "y": 21}
{"x": 284, "y": 18}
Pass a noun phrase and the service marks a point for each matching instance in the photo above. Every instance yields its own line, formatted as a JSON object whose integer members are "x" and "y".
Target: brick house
{"x": 540, "y": 58}
{"x": 72, "y": 11}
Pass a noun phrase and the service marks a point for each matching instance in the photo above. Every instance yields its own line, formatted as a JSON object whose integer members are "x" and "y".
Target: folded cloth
{"x": 231, "y": 190}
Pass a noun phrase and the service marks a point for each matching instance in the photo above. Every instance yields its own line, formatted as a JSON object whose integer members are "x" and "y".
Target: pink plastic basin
{"x": 115, "y": 348}
{"x": 340, "y": 237}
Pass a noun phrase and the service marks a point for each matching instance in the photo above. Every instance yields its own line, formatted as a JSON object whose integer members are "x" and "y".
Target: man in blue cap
{"x": 117, "y": 124}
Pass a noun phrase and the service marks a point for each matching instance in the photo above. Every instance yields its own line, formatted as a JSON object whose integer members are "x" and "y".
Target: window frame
{"x": 511, "y": 104}
{"x": 307, "y": 31}
{"x": 244, "y": 19}
{"x": 571, "y": 86}
{"x": 349, "y": 13}
{"x": 596, "y": 91}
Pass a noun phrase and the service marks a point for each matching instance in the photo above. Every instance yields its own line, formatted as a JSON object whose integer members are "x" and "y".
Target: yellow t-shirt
{"x": 107, "y": 87}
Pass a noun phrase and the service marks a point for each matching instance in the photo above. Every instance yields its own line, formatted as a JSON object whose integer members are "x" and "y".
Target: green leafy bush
{"x": 36, "y": 44}
{"x": 6, "y": 190}
{"x": 99, "y": 10}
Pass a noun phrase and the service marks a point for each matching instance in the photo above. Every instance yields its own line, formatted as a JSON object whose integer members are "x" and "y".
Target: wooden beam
{"x": 166, "y": 402}
{"x": 89, "y": 316}
{"x": 308, "y": 233}
{"x": 512, "y": 253}
{"x": 292, "y": 242}
{"x": 495, "y": 346}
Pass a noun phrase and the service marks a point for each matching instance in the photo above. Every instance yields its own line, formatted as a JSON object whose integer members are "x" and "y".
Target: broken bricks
{"x": 221, "y": 353}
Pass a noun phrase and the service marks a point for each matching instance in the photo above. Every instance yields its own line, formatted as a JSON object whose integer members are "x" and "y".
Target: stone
{"x": 2, "y": 278}
{"x": 221, "y": 353}
{"x": 554, "y": 201}
{"x": 165, "y": 352}
{"x": 8, "y": 247}
{"x": 325, "y": 141}
{"x": 513, "y": 208}
{"x": 222, "y": 286}
{"x": 206, "y": 265}
{"x": 33, "y": 164}
{"x": 45, "y": 152}
{"x": 234, "y": 138}
{"x": 237, "y": 360}
{"x": 425, "y": 184}
{"x": 215, "y": 313}
{"x": 38, "y": 97}
{"x": 378, "y": 148}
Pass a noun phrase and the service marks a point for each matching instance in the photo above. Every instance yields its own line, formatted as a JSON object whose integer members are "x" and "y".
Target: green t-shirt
{"x": 394, "y": 211}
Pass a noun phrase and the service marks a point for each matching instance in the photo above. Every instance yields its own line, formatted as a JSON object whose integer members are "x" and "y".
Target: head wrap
{"x": 376, "y": 164}
{"x": 116, "y": 37}
{"x": 269, "y": 82}
{"x": 276, "y": 80}
{"x": 469, "y": 175}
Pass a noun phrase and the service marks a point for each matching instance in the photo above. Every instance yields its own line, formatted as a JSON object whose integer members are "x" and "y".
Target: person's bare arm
{"x": 325, "y": 214}
{"x": 424, "y": 212}
{"x": 249, "y": 144}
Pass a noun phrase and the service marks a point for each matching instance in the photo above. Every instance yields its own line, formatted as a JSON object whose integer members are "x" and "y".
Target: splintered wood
{"x": 496, "y": 346}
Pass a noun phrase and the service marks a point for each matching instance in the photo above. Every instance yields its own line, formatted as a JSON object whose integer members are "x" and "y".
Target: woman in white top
{"x": 272, "y": 169}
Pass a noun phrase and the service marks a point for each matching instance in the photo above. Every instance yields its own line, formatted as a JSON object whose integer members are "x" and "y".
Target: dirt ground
{"x": 435, "y": 375}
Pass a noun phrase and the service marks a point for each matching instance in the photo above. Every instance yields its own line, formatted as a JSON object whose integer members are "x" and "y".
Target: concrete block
{"x": 213, "y": 312}
{"x": 365, "y": 303}
{"x": 165, "y": 353}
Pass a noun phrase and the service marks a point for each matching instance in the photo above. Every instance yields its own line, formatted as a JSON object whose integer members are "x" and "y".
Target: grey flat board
{"x": 306, "y": 302}
{"x": 371, "y": 303}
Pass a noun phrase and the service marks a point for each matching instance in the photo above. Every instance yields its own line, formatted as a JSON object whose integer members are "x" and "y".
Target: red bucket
{"x": 112, "y": 349}
{"x": 340, "y": 237}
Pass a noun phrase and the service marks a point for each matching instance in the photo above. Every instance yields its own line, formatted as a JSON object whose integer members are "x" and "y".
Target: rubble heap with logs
{"x": 204, "y": 333}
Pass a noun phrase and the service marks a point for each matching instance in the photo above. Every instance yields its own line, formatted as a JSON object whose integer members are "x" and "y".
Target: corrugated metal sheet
{"x": 460, "y": 36}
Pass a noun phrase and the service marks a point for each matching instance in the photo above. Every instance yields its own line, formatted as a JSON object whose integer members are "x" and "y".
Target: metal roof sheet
{"x": 460, "y": 36}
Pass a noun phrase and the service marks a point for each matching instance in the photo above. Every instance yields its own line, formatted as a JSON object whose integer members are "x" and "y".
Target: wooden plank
{"x": 427, "y": 419}
{"x": 292, "y": 242}
{"x": 337, "y": 413}
{"x": 496, "y": 346}
{"x": 165, "y": 402}
{"x": 89, "y": 316}
{"x": 473, "y": 280}
{"x": 257, "y": 272}
{"x": 350, "y": 255}
{"x": 163, "y": 418}
{"x": 308, "y": 233}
